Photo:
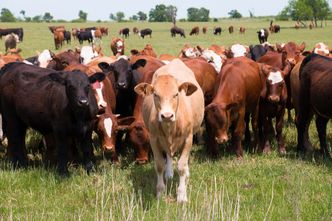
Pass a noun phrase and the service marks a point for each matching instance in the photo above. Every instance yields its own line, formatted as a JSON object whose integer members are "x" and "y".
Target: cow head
{"x": 44, "y": 58}
{"x": 292, "y": 50}
{"x": 123, "y": 71}
{"x": 88, "y": 53}
{"x": 218, "y": 117}
{"x": 322, "y": 49}
{"x": 166, "y": 93}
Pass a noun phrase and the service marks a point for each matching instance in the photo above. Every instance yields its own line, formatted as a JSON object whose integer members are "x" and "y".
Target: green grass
{"x": 257, "y": 188}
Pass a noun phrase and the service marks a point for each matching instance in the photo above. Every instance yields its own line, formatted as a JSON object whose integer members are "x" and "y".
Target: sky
{"x": 101, "y": 9}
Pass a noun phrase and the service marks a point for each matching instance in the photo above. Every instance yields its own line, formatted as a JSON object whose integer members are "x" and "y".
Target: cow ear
{"x": 279, "y": 48}
{"x": 96, "y": 77}
{"x": 134, "y": 52}
{"x": 189, "y": 88}
{"x": 264, "y": 68}
{"x": 138, "y": 63}
{"x": 57, "y": 78}
{"x": 105, "y": 67}
{"x": 302, "y": 46}
{"x": 144, "y": 89}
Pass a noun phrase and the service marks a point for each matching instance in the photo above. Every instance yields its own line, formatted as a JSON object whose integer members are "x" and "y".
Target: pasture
{"x": 260, "y": 187}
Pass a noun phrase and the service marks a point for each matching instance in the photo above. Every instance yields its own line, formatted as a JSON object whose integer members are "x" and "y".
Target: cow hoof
{"x": 141, "y": 161}
{"x": 282, "y": 151}
{"x": 89, "y": 167}
{"x": 182, "y": 198}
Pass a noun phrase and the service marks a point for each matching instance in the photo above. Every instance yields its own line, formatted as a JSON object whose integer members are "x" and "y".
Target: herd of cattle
{"x": 160, "y": 102}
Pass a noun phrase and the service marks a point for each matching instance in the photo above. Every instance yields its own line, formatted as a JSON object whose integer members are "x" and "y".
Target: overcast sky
{"x": 101, "y": 9}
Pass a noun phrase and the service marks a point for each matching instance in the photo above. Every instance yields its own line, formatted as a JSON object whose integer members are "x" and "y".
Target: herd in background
{"x": 158, "y": 103}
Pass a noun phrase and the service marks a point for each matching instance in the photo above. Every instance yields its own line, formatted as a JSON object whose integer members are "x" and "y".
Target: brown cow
{"x": 64, "y": 59}
{"x": 194, "y": 31}
{"x": 242, "y": 30}
{"x": 104, "y": 31}
{"x": 117, "y": 46}
{"x": 236, "y": 97}
{"x": 204, "y": 29}
{"x": 173, "y": 111}
{"x": 147, "y": 50}
{"x": 58, "y": 39}
{"x": 231, "y": 29}
{"x": 135, "y": 30}
{"x": 189, "y": 52}
{"x": 53, "y": 28}
{"x": 74, "y": 32}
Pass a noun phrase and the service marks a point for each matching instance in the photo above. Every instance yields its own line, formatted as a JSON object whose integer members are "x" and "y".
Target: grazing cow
{"x": 147, "y": 50}
{"x": 88, "y": 53}
{"x": 65, "y": 110}
{"x": 231, "y": 29}
{"x": 117, "y": 46}
{"x": 42, "y": 59}
{"x": 74, "y": 32}
{"x": 272, "y": 104}
{"x": 238, "y": 50}
{"x": 242, "y": 30}
{"x": 263, "y": 34}
{"x": 311, "y": 26}
{"x": 84, "y": 36}
{"x": 315, "y": 91}
{"x": 274, "y": 28}
{"x": 7, "y": 31}
{"x": 124, "y": 32}
{"x": 236, "y": 97}
{"x": 135, "y": 30}
{"x": 217, "y": 31}
{"x": 144, "y": 32}
{"x": 11, "y": 41}
{"x": 212, "y": 57}
{"x": 176, "y": 30}
{"x": 204, "y": 29}
{"x": 67, "y": 36}
{"x": 194, "y": 31}
{"x": 173, "y": 111}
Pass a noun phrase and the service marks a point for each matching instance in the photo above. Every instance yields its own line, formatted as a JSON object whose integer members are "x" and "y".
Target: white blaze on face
{"x": 166, "y": 109}
{"x": 108, "y": 124}
{"x": 44, "y": 58}
{"x": 87, "y": 54}
{"x": 238, "y": 50}
{"x": 275, "y": 77}
{"x": 321, "y": 48}
{"x": 100, "y": 97}
{"x": 262, "y": 33}
{"x": 119, "y": 46}
{"x": 213, "y": 59}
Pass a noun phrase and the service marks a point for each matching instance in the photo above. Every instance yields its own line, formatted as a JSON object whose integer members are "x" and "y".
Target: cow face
{"x": 166, "y": 94}
{"x": 275, "y": 87}
{"x": 292, "y": 50}
{"x": 218, "y": 118}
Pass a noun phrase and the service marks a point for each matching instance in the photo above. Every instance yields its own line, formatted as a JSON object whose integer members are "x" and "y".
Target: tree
{"x": 7, "y": 16}
{"x": 251, "y": 14}
{"x": 82, "y": 15}
{"x": 158, "y": 14}
{"x": 134, "y": 18}
{"x": 22, "y": 12}
{"x": 47, "y": 17}
{"x": 112, "y": 17}
{"x": 195, "y": 14}
{"x": 171, "y": 11}
{"x": 37, "y": 18}
{"x": 234, "y": 14}
{"x": 142, "y": 16}
{"x": 120, "y": 16}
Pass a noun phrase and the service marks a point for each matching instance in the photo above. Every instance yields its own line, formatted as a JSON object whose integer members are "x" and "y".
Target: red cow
{"x": 242, "y": 30}
{"x": 204, "y": 29}
{"x": 231, "y": 29}
{"x": 194, "y": 31}
{"x": 58, "y": 39}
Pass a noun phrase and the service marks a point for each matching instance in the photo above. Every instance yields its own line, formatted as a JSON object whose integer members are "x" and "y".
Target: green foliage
{"x": 161, "y": 13}
{"x": 142, "y": 16}
{"x": 284, "y": 15}
{"x": 195, "y": 14}
{"x": 234, "y": 14}
{"x": 37, "y": 18}
{"x": 47, "y": 17}
{"x": 120, "y": 16}
{"x": 82, "y": 15}
{"x": 6, "y": 16}
{"x": 112, "y": 17}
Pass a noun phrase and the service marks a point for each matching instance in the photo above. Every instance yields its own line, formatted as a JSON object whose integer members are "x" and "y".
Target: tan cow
{"x": 173, "y": 111}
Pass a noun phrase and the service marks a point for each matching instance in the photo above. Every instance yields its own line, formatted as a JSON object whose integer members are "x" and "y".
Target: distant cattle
{"x": 53, "y": 28}
{"x": 124, "y": 32}
{"x": 65, "y": 110}
{"x": 274, "y": 28}
{"x": 135, "y": 30}
{"x": 58, "y": 39}
{"x": 104, "y": 31}
{"x": 242, "y": 30}
{"x": 67, "y": 36}
{"x": 204, "y": 29}
{"x": 84, "y": 36}
{"x": 176, "y": 30}
{"x": 194, "y": 31}
{"x": 96, "y": 34}
{"x": 231, "y": 29}
{"x": 18, "y": 31}
{"x": 173, "y": 110}
{"x": 144, "y": 32}
{"x": 11, "y": 41}
{"x": 263, "y": 34}
{"x": 217, "y": 31}
{"x": 74, "y": 32}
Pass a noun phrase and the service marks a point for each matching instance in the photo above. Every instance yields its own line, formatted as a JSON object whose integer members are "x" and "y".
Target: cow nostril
{"x": 167, "y": 115}
{"x": 122, "y": 84}
{"x": 83, "y": 102}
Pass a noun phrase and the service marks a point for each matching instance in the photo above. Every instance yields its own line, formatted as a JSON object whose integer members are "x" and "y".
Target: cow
{"x": 74, "y": 32}
{"x": 272, "y": 104}
{"x": 11, "y": 41}
{"x": 67, "y": 36}
{"x": 65, "y": 110}
{"x": 176, "y": 30}
{"x": 217, "y": 31}
{"x": 124, "y": 32}
{"x": 60, "y": 60}
{"x": 322, "y": 49}
{"x": 204, "y": 29}
{"x": 53, "y": 28}
{"x": 257, "y": 51}
{"x": 231, "y": 29}
{"x": 41, "y": 59}
{"x": 274, "y": 28}
{"x": 84, "y": 36}
{"x": 58, "y": 39}
{"x": 88, "y": 53}
{"x": 8, "y": 58}
{"x": 104, "y": 31}
{"x": 315, "y": 86}
{"x": 144, "y": 32}
{"x": 238, "y": 50}
{"x": 213, "y": 56}
{"x": 7, "y": 31}
{"x": 117, "y": 46}
{"x": 173, "y": 111}
{"x": 242, "y": 30}
{"x": 135, "y": 30}
{"x": 263, "y": 34}
{"x": 147, "y": 50}
{"x": 236, "y": 98}
{"x": 189, "y": 52}
{"x": 194, "y": 31}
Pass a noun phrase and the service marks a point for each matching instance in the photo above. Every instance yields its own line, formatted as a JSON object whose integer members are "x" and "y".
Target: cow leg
{"x": 279, "y": 127}
{"x": 238, "y": 135}
{"x": 86, "y": 147}
{"x": 303, "y": 143}
{"x": 183, "y": 170}
{"x": 211, "y": 144}
{"x": 169, "y": 167}
{"x": 247, "y": 138}
{"x": 254, "y": 125}
{"x": 159, "y": 161}
{"x": 321, "y": 123}
{"x": 267, "y": 130}
{"x": 62, "y": 145}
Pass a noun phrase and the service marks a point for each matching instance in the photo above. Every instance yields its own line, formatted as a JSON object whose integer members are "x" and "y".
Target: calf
{"x": 60, "y": 104}
{"x": 144, "y": 32}
{"x": 173, "y": 111}
{"x": 231, "y": 29}
{"x": 204, "y": 29}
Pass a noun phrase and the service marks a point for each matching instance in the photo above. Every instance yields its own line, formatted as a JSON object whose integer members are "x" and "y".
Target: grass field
{"x": 257, "y": 188}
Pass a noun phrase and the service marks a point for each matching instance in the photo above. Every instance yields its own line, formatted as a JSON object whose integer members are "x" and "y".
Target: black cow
{"x": 263, "y": 34}
{"x": 84, "y": 36}
{"x": 145, "y": 32}
{"x": 124, "y": 32}
{"x": 257, "y": 51}
{"x": 58, "y": 104}
{"x": 67, "y": 36}
{"x": 217, "y": 31}
{"x": 18, "y": 31}
{"x": 176, "y": 30}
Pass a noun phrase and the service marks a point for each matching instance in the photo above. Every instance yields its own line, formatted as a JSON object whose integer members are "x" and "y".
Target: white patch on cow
{"x": 44, "y": 58}
{"x": 108, "y": 124}
{"x": 321, "y": 48}
{"x": 262, "y": 33}
{"x": 87, "y": 54}
{"x": 119, "y": 44}
{"x": 166, "y": 109}
{"x": 238, "y": 50}
{"x": 27, "y": 62}
{"x": 169, "y": 173}
{"x": 166, "y": 61}
{"x": 101, "y": 101}
{"x": 190, "y": 53}
{"x": 213, "y": 59}
{"x": 275, "y": 77}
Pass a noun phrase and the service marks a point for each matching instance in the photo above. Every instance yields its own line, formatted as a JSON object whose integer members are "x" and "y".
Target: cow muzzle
{"x": 167, "y": 117}
{"x": 274, "y": 98}
{"x": 122, "y": 85}
{"x": 222, "y": 139}
{"x": 83, "y": 102}
{"x": 291, "y": 61}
